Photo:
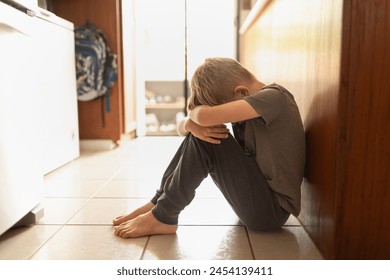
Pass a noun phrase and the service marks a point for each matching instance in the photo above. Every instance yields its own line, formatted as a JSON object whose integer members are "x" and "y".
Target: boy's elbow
{"x": 182, "y": 132}
{"x": 181, "y": 128}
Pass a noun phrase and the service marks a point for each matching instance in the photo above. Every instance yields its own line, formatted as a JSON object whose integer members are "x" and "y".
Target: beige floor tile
{"x": 215, "y": 212}
{"x": 208, "y": 189}
{"x": 75, "y": 171}
{"x": 146, "y": 188}
{"x": 116, "y": 157}
{"x": 101, "y": 211}
{"x": 288, "y": 243}
{"x": 84, "y": 153}
{"x": 123, "y": 179}
{"x": 72, "y": 187}
{"x": 130, "y": 188}
{"x": 208, "y": 212}
{"x": 153, "y": 147}
{"x": 292, "y": 221}
{"x": 202, "y": 243}
{"x": 142, "y": 169}
{"x": 90, "y": 243}
{"x": 21, "y": 243}
{"x": 150, "y": 159}
{"x": 60, "y": 210}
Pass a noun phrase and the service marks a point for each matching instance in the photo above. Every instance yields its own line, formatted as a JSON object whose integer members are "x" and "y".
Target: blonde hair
{"x": 214, "y": 81}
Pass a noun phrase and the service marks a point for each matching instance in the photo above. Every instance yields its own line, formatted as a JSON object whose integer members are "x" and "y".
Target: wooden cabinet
{"x": 105, "y": 14}
{"x": 334, "y": 56}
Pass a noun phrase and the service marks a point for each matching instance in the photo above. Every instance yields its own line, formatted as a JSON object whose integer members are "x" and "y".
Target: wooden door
{"x": 105, "y": 14}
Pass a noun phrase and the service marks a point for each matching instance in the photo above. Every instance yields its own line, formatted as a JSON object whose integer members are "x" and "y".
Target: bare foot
{"x": 145, "y": 224}
{"x": 141, "y": 210}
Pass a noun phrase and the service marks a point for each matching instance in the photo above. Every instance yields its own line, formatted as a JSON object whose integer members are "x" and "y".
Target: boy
{"x": 259, "y": 171}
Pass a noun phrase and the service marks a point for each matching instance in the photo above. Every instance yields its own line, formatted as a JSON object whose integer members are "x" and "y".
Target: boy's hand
{"x": 210, "y": 134}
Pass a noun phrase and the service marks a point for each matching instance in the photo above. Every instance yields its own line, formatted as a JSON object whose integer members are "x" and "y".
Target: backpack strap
{"x": 108, "y": 105}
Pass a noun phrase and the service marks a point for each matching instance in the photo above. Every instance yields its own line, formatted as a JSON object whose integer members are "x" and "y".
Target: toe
{"x": 118, "y": 220}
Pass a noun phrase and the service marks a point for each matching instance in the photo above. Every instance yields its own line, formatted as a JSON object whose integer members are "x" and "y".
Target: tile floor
{"x": 82, "y": 198}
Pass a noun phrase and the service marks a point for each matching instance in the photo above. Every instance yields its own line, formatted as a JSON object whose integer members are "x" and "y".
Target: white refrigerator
{"x": 21, "y": 177}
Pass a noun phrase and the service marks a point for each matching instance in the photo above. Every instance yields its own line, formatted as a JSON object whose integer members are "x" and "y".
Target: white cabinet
{"x": 58, "y": 85}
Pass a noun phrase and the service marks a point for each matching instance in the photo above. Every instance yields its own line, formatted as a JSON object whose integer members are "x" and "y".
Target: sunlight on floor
{"x": 85, "y": 195}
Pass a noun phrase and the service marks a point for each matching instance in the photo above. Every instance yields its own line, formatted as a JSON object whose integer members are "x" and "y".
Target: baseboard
{"x": 97, "y": 145}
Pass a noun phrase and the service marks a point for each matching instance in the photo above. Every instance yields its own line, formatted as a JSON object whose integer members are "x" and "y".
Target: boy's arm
{"x": 210, "y": 134}
{"x": 229, "y": 112}
{"x": 181, "y": 128}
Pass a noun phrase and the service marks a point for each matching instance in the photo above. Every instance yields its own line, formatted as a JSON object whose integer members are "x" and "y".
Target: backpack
{"x": 96, "y": 64}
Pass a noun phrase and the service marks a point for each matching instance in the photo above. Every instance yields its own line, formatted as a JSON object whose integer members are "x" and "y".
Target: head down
{"x": 216, "y": 82}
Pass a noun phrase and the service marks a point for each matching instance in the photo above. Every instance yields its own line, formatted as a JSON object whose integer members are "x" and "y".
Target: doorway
{"x": 164, "y": 42}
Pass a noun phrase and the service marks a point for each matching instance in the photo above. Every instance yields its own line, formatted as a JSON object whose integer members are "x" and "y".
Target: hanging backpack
{"x": 96, "y": 65}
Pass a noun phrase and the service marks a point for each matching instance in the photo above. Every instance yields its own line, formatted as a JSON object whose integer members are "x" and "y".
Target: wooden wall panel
{"x": 364, "y": 182}
{"x": 297, "y": 44}
{"x": 105, "y": 14}
{"x": 334, "y": 56}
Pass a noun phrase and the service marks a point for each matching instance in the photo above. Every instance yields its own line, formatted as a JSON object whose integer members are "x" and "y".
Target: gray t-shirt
{"x": 277, "y": 140}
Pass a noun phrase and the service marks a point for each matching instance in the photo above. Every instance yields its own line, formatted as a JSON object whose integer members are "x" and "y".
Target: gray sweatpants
{"x": 235, "y": 174}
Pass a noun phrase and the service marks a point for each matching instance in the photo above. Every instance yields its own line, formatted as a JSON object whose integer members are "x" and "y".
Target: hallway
{"x": 83, "y": 197}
